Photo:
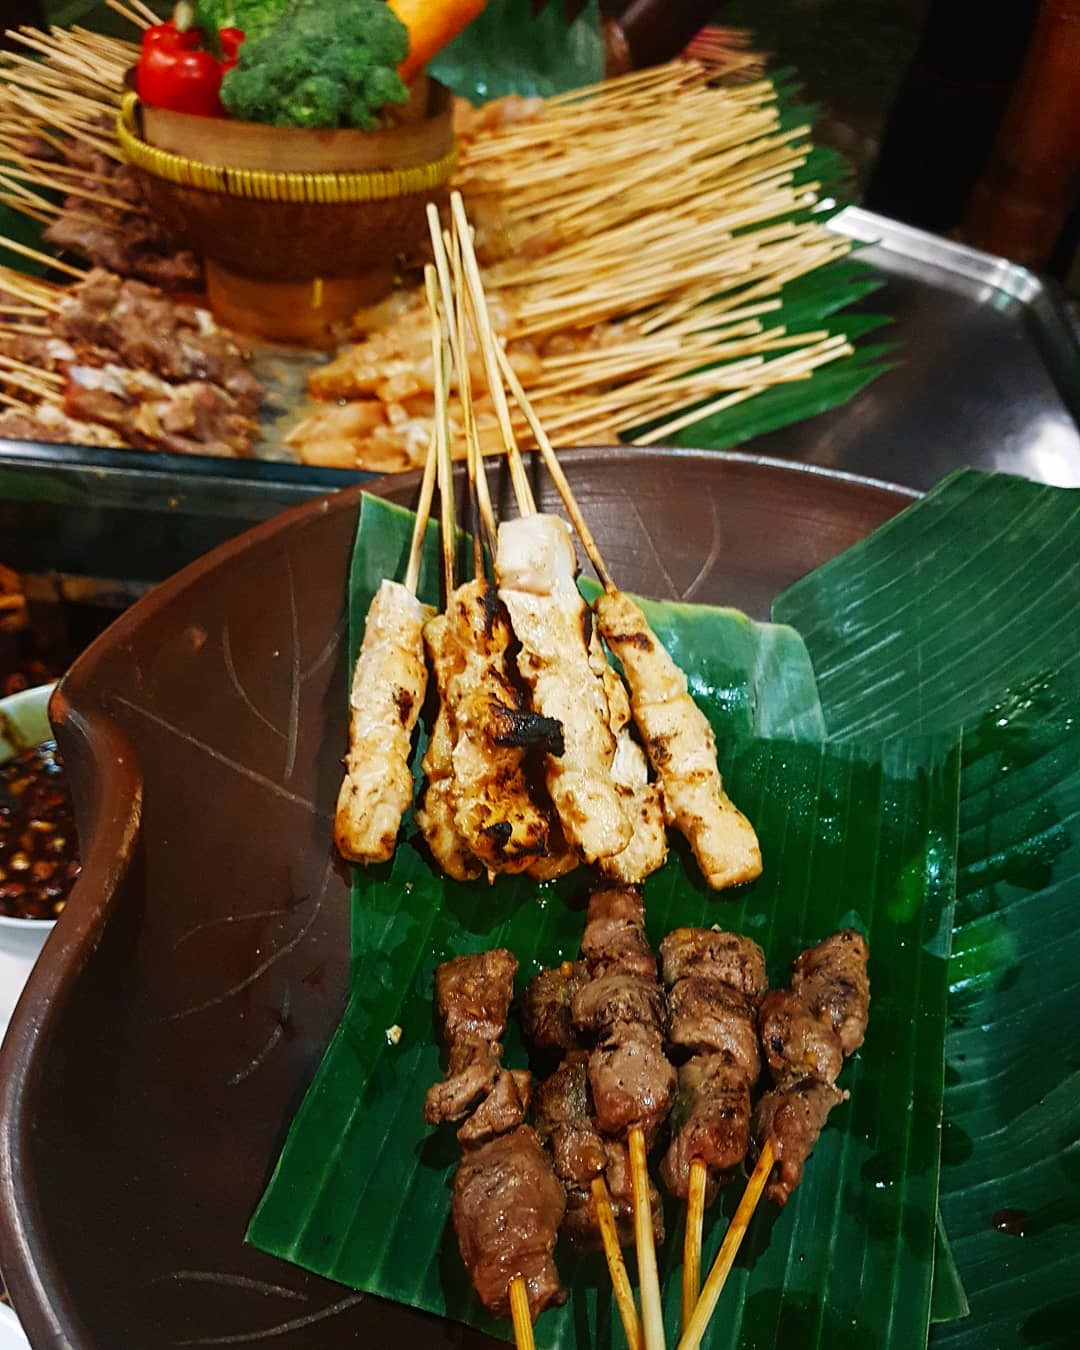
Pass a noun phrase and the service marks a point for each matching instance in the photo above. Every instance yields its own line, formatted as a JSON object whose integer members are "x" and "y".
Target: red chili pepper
{"x": 174, "y": 73}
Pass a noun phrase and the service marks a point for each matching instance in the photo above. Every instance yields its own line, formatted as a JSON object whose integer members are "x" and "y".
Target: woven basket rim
{"x": 328, "y": 188}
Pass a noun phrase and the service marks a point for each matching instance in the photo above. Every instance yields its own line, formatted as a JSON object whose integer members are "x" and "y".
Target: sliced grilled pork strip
{"x": 831, "y": 980}
{"x": 643, "y": 801}
{"x": 507, "y": 1210}
{"x": 495, "y": 813}
{"x": 436, "y": 816}
{"x": 710, "y": 1123}
{"x": 472, "y": 997}
{"x": 794, "y": 1118}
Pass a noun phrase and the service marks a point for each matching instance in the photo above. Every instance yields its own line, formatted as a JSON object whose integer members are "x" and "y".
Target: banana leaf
{"x": 851, "y": 835}
{"x": 510, "y": 50}
{"x": 963, "y": 612}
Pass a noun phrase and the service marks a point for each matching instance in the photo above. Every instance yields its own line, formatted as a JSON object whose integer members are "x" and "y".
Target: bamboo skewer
{"x": 37, "y": 256}
{"x": 695, "y": 1218}
{"x": 620, "y": 1280}
{"x": 520, "y": 1314}
{"x": 652, "y": 1312}
{"x": 729, "y": 1249}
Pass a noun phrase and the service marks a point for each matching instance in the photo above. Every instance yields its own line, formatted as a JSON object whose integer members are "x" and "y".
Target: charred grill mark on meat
{"x": 521, "y": 728}
{"x": 806, "y": 1032}
{"x": 483, "y": 781}
{"x": 714, "y": 980}
{"x": 472, "y": 997}
{"x": 536, "y": 567}
{"x": 681, "y": 746}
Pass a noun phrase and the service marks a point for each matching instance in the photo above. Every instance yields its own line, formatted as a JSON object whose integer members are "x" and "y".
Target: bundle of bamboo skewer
{"x": 635, "y": 239}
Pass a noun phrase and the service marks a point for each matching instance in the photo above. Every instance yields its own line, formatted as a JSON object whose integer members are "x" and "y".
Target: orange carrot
{"x": 431, "y": 24}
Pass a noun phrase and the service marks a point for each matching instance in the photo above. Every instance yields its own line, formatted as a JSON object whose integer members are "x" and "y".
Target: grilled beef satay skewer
{"x": 714, "y": 981}
{"x": 677, "y": 736}
{"x": 806, "y": 1033}
{"x": 621, "y": 1008}
{"x": 584, "y": 1161}
{"x": 507, "y": 1203}
{"x": 388, "y": 687}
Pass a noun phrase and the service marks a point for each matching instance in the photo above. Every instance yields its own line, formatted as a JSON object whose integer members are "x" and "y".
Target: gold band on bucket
{"x": 265, "y": 186}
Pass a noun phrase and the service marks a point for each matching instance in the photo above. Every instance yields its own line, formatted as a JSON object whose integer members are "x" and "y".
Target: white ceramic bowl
{"x": 12, "y": 1336}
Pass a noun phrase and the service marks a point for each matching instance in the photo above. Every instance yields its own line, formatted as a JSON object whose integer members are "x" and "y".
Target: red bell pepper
{"x": 175, "y": 72}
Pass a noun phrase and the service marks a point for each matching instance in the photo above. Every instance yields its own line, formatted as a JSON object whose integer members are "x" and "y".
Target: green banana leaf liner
{"x": 963, "y": 612}
{"x": 860, "y": 835}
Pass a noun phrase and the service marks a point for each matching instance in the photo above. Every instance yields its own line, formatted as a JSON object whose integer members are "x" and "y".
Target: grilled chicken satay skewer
{"x": 494, "y": 813}
{"x": 677, "y": 736}
{"x": 388, "y": 688}
{"x": 715, "y": 981}
{"x": 535, "y": 567}
{"x": 436, "y": 817}
{"x": 629, "y": 774}
{"x": 507, "y": 1203}
{"x": 806, "y": 1032}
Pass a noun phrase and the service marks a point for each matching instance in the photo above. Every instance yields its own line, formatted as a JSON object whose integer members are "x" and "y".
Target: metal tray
{"x": 987, "y": 373}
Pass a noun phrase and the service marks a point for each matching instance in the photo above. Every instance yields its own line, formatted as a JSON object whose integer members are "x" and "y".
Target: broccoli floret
{"x": 253, "y": 16}
{"x": 323, "y": 63}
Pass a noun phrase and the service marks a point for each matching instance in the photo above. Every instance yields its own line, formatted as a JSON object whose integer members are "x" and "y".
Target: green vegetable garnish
{"x": 253, "y": 16}
{"x": 322, "y": 63}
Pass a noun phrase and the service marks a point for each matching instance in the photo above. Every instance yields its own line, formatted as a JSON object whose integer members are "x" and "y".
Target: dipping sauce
{"x": 39, "y": 852}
